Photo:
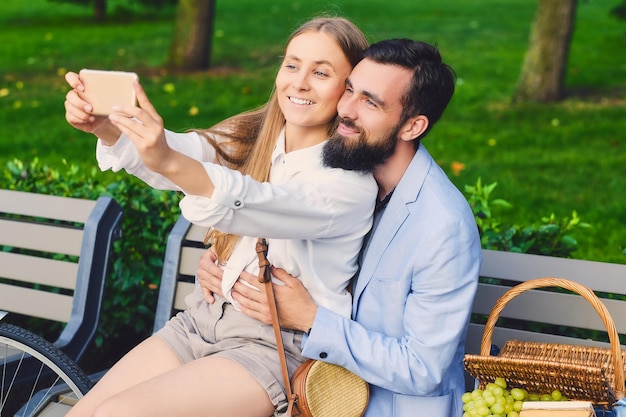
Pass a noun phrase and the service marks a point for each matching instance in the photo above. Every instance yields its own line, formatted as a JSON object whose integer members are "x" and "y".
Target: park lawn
{"x": 546, "y": 158}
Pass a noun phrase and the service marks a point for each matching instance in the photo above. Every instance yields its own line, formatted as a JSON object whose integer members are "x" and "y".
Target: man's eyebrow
{"x": 379, "y": 101}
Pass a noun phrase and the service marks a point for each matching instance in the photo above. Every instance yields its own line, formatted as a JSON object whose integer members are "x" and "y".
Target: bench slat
{"x": 68, "y": 398}
{"x": 182, "y": 290}
{"x": 35, "y": 303}
{"x": 599, "y": 276}
{"x": 189, "y": 259}
{"x": 26, "y": 268}
{"x": 45, "y": 206}
{"x": 550, "y": 307}
{"x": 41, "y": 237}
{"x": 55, "y": 409}
{"x": 196, "y": 233}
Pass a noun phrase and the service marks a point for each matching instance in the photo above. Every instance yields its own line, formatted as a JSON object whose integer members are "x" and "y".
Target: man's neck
{"x": 389, "y": 174}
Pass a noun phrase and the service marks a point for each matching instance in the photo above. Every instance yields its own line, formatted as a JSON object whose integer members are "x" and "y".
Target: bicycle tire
{"x": 35, "y": 370}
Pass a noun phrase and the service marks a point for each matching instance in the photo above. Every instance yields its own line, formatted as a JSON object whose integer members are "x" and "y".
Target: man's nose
{"x": 346, "y": 107}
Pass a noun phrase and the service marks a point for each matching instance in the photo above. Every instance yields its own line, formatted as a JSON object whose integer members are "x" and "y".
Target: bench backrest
{"x": 185, "y": 246}
{"x": 54, "y": 258}
{"x": 556, "y": 316}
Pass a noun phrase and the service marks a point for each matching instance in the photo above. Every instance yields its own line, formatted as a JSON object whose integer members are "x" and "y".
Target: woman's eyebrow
{"x": 318, "y": 62}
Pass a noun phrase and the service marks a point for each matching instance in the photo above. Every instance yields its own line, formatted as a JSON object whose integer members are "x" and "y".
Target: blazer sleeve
{"x": 412, "y": 315}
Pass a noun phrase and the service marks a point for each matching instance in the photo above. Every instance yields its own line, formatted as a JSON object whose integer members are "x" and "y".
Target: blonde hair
{"x": 249, "y": 138}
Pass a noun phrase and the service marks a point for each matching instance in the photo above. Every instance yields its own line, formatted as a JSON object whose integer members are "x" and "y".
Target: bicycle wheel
{"x": 35, "y": 375}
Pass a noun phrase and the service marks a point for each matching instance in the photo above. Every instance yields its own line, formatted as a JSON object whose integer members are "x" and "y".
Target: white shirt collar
{"x": 297, "y": 160}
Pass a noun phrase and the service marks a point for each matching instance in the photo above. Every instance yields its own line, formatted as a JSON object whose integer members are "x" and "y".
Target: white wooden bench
{"x": 54, "y": 258}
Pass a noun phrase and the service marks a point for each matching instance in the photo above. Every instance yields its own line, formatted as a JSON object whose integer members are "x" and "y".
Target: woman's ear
{"x": 413, "y": 128}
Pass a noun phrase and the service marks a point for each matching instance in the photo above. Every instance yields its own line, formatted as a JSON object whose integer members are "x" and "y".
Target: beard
{"x": 363, "y": 155}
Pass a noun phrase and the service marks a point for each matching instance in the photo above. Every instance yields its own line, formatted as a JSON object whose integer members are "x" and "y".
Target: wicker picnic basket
{"x": 579, "y": 372}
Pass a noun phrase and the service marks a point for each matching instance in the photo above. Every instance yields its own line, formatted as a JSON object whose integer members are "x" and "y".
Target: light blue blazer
{"x": 412, "y": 300}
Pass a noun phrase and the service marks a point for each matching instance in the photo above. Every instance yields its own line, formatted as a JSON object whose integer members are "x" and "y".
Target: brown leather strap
{"x": 266, "y": 277}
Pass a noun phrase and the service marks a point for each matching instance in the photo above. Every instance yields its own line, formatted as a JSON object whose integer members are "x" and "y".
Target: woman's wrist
{"x": 108, "y": 134}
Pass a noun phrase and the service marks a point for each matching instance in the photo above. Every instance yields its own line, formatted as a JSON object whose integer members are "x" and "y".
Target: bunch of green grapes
{"x": 496, "y": 401}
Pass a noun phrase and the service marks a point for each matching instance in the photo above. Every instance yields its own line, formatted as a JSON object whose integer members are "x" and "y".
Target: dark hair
{"x": 433, "y": 81}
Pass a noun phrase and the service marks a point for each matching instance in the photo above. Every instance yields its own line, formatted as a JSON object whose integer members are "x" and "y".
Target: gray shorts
{"x": 219, "y": 329}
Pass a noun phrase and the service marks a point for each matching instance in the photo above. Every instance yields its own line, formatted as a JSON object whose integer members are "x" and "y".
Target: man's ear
{"x": 413, "y": 128}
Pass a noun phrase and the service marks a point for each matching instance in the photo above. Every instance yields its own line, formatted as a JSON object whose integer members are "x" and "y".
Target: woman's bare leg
{"x": 207, "y": 387}
{"x": 147, "y": 360}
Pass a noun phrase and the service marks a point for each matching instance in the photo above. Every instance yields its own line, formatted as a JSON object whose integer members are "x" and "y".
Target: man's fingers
{"x": 208, "y": 295}
{"x": 251, "y": 302}
{"x": 213, "y": 269}
{"x": 250, "y": 279}
{"x": 285, "y": 277}
{"x": 209, "y": 257}
{"x": 257, "y": 293}
{"x": 209, "y": 275}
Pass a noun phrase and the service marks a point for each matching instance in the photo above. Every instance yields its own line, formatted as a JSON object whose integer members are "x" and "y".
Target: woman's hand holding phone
{"x": 79, "y": 113}
{"x": 141, "y": 124}
{"x": 104, "y": 103}
{"x": 144, "y": 127}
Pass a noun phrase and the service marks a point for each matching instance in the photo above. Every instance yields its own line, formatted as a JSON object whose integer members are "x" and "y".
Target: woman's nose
{"x": 300, "y": 82}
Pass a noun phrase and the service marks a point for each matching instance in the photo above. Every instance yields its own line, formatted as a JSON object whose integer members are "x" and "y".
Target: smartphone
{"x": 105, "y": 89}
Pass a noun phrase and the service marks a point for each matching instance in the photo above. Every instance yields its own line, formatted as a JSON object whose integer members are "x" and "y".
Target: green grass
{"x": 545, "y": 158}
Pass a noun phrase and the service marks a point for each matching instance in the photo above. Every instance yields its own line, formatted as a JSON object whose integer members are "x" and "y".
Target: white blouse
{"x": 314, "y": 217}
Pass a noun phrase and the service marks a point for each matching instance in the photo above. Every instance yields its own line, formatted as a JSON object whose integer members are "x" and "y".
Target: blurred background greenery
{"x": 546, "y": 158}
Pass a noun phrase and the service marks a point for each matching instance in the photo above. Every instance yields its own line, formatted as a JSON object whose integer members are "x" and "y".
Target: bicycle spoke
{"x": 35, "y": 374}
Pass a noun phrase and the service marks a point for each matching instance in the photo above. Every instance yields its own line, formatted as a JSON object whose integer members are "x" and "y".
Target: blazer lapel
{"x": 394, "y": 215}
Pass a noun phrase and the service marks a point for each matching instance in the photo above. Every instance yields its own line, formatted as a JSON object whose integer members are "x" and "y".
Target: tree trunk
{"x": 543, "y": 72}
{"x": 100, "y": 10}
{"x": 193, "y": 33}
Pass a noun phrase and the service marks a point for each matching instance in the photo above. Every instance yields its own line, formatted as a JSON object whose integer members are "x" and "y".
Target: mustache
{"x": 348, "y": 123}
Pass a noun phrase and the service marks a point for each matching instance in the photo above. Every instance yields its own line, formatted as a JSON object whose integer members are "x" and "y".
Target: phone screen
{"x": 105, "y": 89}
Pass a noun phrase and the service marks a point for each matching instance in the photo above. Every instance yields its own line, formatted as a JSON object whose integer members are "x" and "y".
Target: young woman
{"x": 212, "y": 360}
